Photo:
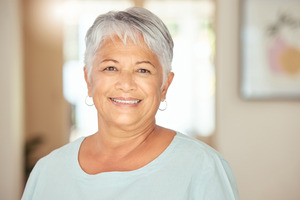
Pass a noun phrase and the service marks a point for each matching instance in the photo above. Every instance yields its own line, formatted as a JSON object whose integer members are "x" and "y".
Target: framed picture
{"x": 270, "y": 49}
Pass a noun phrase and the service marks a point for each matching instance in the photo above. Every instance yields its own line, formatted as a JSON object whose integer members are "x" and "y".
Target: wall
{"x": 46, "y": 113}
{"x": 11, "y": 106}
{"x": 259, "y": 138}
{"x": 32, "y": 102}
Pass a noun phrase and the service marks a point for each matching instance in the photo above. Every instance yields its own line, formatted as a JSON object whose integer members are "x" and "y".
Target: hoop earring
{"x": 165, "y": 107}
{"x": 87, "y": 102}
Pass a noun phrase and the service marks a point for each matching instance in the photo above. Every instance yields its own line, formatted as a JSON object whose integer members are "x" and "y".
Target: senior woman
{"x": 128, "y": 73}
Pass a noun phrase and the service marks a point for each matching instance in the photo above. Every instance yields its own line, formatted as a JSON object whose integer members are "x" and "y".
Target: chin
{"x": 125, "y": 120}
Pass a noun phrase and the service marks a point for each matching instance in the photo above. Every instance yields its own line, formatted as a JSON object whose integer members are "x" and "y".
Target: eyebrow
{"x": 147, "y": 62}
{"x": 108, "y": 60}
{"x": 137, "y": 63}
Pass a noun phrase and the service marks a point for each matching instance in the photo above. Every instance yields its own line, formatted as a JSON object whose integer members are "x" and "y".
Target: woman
{"x": 128, "y": 73}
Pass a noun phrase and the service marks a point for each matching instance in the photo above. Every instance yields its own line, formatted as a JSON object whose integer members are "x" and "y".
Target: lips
{"x": 126, "y": 101}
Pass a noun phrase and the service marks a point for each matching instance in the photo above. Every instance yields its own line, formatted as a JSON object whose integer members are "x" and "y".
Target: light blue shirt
{"x": 187, "y": 169}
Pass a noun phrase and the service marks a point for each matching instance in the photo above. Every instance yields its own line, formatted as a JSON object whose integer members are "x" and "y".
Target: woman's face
{"x": 126, "y": 84}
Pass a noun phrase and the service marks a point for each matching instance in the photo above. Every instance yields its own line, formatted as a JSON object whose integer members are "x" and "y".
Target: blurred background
{"x": 43, "y": 91}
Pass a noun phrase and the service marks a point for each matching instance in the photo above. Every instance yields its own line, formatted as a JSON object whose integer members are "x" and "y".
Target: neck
{"x": 120, "y": 141}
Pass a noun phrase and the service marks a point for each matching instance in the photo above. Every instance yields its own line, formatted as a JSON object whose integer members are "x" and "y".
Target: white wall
{"x": 259, "y": 138}
{"x": 11, "y": 106}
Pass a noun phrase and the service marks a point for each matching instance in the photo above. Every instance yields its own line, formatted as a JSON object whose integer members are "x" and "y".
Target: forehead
{"x": 118, "y": 47}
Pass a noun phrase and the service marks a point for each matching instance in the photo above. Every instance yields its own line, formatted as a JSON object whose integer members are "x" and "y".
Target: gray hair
{"x": 131, "y": 23}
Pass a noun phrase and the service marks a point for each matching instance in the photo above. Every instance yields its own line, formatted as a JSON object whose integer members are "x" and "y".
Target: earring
{"x": 88, "y": 104}
{"x": 165, "y": 107}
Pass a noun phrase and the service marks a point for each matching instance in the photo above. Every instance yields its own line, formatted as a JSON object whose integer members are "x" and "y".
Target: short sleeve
{"x": 215, "y": 181}
{"x": 32, "y": 182}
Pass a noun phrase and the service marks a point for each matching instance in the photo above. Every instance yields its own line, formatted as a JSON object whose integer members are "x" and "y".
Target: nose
{"x": 126, "y": 81}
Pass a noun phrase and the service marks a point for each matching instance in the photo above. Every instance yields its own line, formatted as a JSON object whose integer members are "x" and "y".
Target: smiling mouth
{"x": 126, "y": 101}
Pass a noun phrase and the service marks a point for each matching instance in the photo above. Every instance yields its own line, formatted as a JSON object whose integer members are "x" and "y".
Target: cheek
{"x": 153, "y": 89}
{"x": 96, "y": 85}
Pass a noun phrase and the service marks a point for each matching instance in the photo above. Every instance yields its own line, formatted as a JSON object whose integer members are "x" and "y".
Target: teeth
{"x": 126, "y": 101}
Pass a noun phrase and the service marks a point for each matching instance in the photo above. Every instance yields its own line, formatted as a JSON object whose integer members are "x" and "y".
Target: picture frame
{"x": 270, "y": 49}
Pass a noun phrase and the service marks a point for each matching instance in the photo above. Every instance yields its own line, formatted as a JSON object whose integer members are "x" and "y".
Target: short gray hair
{"x": 131, "y": 23}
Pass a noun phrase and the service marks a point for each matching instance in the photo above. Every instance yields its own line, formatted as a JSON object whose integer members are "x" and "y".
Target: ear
{"x": 87, "y": 81}
{"x": 166, "y": 86}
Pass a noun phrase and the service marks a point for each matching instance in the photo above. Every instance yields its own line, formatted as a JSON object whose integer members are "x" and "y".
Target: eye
{"x": 110, "y": 68}
{"x": 143, "y": 71}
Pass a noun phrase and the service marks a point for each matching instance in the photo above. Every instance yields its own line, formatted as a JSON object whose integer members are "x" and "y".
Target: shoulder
{"x": 60, "y": 155}
{"x": 51, "y": 168}
{"x": 209, "y": 168}
{"x": 199, "y": 157}
{"x": 196, "y": 148}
